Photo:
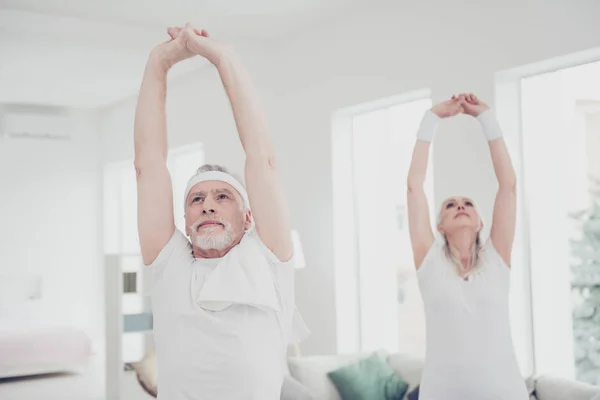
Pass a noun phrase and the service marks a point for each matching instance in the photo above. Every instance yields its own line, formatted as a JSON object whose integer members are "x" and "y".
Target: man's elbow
{"x": 144, "y": 161}
{"x": 261, "y": 161}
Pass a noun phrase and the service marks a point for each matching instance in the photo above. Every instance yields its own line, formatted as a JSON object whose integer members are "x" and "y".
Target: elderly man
{"x": 223, "y": 292}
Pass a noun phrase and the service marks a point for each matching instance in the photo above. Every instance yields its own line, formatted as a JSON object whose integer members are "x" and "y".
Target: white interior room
{"x": 344, "y": 85}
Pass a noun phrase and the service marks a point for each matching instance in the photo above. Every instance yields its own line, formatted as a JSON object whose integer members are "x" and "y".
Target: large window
{"x": 378, "y": 300}
{"x": 183, "y": 163}
{"x": 121, "y": 232}
{"x": 560, "y": 152}
{"x": 120, "y": 197}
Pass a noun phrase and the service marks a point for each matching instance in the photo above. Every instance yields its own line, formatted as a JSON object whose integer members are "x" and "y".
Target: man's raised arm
{"x": 154, "y": 189}
{"x": 265, "y": 190}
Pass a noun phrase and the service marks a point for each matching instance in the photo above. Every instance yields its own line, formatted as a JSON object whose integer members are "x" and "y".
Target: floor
{"x": 86, "y": 386}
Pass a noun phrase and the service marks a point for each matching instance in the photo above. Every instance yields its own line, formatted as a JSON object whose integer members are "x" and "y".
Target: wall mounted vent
{"x": 36, "y": 123}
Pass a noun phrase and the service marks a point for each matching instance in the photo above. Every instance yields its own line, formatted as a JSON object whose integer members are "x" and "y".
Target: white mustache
{"x": 197, "y": 224}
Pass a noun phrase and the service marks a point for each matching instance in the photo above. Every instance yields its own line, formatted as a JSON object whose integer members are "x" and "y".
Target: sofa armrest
{"x": 548, "y": 387}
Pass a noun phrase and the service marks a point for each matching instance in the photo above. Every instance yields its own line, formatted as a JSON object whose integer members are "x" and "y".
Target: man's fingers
{"x": 174, "y": 32}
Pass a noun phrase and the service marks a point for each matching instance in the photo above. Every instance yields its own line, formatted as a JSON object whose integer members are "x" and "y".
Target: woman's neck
{"x": 461, "y": 245}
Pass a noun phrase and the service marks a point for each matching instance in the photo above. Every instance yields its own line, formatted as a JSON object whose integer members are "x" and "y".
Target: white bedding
{"x": 32, "y": 342}
{"x": 39, "y": 350}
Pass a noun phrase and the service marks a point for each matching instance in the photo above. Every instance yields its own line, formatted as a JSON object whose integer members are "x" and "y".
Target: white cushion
{"x": 312, "y": 371}
{"x": 294, "y": 390}
{"x": 409, "y": 368}
{"x": 553, "y": 388}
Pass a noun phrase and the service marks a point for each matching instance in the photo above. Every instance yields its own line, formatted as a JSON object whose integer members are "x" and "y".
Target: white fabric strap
{"x": 215, "y": 176}
{"x": 490, "y": 125}
{"x": 428, "y": 126}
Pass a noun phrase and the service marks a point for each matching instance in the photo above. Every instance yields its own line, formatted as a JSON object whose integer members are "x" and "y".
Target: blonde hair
{"x": 475, "y": 250}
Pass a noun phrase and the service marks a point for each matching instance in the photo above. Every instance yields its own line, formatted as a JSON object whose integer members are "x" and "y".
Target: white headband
{"x": 215, "y": 176}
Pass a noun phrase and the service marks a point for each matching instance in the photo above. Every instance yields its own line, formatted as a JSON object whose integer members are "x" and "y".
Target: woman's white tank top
{"x": 469, "y": 353}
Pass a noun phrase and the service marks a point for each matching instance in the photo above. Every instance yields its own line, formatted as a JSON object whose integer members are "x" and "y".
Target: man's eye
{"x": 468, "y": 203}
{"x": 196, "y": 199}
{"x": 449, "y": 205}
{"x": 222, "y": 197}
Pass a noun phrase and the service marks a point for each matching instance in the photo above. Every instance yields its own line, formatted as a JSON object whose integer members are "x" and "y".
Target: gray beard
{"x": 209, "y": 241}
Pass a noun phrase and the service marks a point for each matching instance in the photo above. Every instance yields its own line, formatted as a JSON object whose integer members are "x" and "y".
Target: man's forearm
{"x": 150, "y": 126}
{"x": 247, "y": 109}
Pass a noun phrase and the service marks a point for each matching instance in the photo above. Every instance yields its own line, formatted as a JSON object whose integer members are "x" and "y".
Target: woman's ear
{"x": 440, "y": 229}
{"x": 480, "y": 226}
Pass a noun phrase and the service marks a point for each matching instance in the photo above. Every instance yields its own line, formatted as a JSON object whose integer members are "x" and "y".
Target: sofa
{"x": 311, "y": 372}
{"x": 306, "y": 378}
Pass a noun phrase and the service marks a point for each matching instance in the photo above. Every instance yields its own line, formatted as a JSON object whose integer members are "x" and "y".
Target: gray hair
{"x": 219, "y": 168}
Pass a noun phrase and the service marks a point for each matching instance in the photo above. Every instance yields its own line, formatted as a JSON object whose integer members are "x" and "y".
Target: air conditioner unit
{"x": 28, "y": 124}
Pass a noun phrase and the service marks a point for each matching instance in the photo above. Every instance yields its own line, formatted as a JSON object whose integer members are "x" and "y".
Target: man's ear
{"x": 188, "y": 230}
{"x": 440, "y": 229}
{"x": 248, "y": 221}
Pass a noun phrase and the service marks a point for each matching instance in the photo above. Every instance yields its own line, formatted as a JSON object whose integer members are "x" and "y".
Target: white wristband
{"x": 428, "y": 126}
{"x": 490, "y": 125}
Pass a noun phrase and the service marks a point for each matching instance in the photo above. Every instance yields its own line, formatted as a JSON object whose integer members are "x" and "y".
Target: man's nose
{"x": 208, "y": 207}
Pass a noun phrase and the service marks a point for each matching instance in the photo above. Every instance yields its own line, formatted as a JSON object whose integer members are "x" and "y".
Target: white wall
{"x": 49, "y": 213}
{"x": 458, "y": 46}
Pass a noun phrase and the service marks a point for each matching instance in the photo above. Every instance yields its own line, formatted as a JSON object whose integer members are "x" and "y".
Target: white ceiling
{"x": 84, "y": 53}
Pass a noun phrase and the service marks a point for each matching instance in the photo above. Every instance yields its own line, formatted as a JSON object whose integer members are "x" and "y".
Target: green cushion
{"x": 369, "y": 379}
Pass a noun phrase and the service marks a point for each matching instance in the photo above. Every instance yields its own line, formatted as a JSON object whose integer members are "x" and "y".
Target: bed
{"x": 43, "y": 350}
{"x": 31, "y": 344}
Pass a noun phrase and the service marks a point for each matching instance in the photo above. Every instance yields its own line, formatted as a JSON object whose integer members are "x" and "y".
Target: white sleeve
{"x": 283, "y": 276}
{"x": 282, "y": 271}
{"x": 495, "y": 257}
{"x": 177, "y": 251}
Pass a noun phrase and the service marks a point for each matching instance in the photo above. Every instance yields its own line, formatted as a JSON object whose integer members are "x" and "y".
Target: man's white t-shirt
{"x": 222, "y": 326}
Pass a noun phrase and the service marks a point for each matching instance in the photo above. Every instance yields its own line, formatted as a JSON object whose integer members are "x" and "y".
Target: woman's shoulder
{"x": 434, "y": 254}
{"x": 491, "y": 255}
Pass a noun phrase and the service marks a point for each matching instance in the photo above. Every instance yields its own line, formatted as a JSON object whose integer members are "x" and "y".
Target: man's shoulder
{"x": 252, "y": 245}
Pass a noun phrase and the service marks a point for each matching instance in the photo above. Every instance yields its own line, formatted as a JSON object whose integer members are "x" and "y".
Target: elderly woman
{"x": 464, "y": 282}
